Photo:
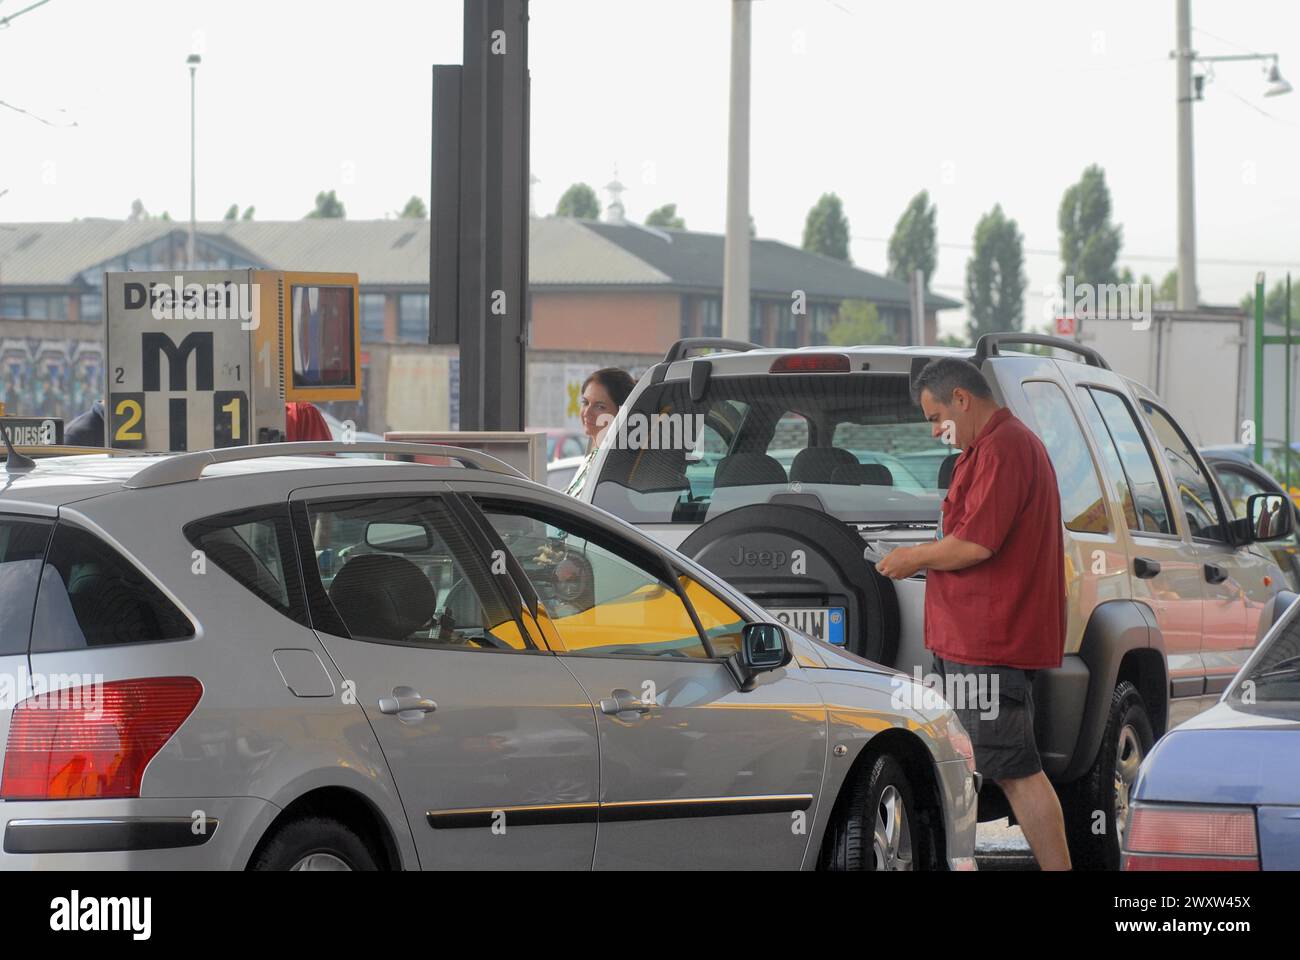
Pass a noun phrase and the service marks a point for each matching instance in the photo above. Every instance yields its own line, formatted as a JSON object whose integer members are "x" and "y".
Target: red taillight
{"x": 93, "y": 741}
{"x": 811, "y": 363}
{"x": 1168, "y": 837}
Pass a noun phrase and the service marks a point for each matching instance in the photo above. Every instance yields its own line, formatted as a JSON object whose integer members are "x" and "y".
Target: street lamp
{"x": 1185, "y": 57}
{"x": 193, "y": 60}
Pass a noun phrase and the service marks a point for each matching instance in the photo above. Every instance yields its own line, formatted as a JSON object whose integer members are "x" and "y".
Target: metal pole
{"x": 193, "y": 61}
{"x": 735, "y": 272}
{"x": 1186, "y": 182}
{"x": 1259, "y": 368}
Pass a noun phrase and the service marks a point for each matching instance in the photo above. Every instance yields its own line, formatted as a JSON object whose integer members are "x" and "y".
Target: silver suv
{"x": 788, "y": 472}
{"x": 263, "y": 657}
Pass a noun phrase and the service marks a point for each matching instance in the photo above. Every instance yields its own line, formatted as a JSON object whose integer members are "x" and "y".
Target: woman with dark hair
{"x": 603, "y": 393}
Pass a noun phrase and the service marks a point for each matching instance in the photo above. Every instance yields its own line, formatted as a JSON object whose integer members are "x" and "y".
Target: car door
{"x": 1239, "y": 586}
{"x": 490, "y": 739}
{"x": 694, "y": 772}
{"x": 1165, "y": 569}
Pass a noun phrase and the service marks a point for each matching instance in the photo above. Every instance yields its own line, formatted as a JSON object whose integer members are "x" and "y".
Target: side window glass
{"x": 599, "y": 601}
{"x": 1082, "y": 505}
{"x": 722, "y": 625}
{"x": 22, "y": 550}
{"x": 1195, "y": 494}
{"x": 1239, "y": 488}
{"x": 1140, "y": 469}
{"x": 92, "y": 596}
{"x": 399, "y": 570}
{"x": 255, "y": 547}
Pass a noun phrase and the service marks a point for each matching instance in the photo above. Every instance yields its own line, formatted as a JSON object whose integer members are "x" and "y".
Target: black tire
{"x": 292, "y": 843}
{"x": 851, "y": 841}
{"x": 1100, "y": 789}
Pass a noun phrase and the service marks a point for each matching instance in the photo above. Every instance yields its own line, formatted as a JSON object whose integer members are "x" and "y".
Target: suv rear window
{"x": 92, "y": 596}
{"x": 855, "y": 440}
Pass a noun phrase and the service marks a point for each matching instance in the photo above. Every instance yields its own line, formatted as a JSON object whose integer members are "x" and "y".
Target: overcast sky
{"x": 978, "y": 102}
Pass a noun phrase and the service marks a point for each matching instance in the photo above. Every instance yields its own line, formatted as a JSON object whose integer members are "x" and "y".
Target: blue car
{"x": 1222, "y": 791}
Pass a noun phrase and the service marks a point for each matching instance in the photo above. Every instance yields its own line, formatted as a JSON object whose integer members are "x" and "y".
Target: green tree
{"x": 414, "y": 210}
{"x": 248, "y": 213}
{"x": 826, "y": 230}
{"x": 995, "y": 276}
{"x": 914, "y": 244}
{"x": 1089, "y": 241}
{"x": 666, "y": 216}
{"x": 232, "y": 213}
{"x": 328, "y": 207}
{"x": 579, "y": 201}
{"x": 858, "y": 322}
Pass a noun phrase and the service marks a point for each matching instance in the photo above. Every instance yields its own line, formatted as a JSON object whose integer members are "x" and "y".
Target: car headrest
{"x": 747, "y": 469}
{"x": 818, "y": 464}
{"x": 873, "y": 474}
{"x": 382, "y": 595}
{"x": 945, "y": 470}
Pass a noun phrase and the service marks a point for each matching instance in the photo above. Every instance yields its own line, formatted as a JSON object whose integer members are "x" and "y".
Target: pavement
{"x": 1000, "y": 846}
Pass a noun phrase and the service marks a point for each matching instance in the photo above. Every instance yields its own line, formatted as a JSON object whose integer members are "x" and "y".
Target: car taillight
{"x": 1169, "y": 837}
{"x": 811, "y": 363}
{"x": 93, "y": 741}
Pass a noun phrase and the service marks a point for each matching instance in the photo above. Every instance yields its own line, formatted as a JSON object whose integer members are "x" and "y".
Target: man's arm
{"x": 950, "y": 553}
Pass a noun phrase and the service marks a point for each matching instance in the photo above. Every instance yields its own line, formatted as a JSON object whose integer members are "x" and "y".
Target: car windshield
{"x": 856, "y": 441}
{"x": 1273, "y": 675}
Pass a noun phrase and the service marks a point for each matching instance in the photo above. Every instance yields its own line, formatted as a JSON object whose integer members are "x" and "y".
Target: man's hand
{"x": 900, "y": 563}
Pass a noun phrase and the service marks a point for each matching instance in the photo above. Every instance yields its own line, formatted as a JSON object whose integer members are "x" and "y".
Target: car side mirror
{"x": 763, "y": 647}
{"x": 1268, "y": 517}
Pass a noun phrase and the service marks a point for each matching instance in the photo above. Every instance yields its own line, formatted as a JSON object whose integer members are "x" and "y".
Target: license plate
{"x": 824, "y": 623}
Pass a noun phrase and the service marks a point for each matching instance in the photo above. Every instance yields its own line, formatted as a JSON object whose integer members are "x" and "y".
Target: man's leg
{"x": 1039, "y": 813}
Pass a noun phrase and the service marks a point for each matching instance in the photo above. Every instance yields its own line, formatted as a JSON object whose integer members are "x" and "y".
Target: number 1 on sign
{"x": 232, "y": 408}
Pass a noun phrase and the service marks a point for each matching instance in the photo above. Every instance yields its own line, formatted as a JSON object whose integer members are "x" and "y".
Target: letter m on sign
{"x": 154, "y": 345}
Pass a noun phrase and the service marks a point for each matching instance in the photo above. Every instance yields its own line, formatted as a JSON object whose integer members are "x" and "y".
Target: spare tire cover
{"x": 754, "y": 549}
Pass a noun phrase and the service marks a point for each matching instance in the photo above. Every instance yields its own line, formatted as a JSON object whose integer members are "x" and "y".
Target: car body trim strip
{"x": 621, "y": 811}
{"x": 105, "y": 834}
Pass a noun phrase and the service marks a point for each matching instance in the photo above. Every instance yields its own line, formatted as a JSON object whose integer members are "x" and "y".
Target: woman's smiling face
{"x": 598, "y": 410}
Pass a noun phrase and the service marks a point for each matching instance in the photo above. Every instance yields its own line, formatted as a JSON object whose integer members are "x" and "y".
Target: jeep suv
{"x": 788, "y": 472}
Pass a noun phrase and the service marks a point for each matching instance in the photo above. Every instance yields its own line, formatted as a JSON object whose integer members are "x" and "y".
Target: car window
{"x": 1151, "y": 513}
{"x": 1239, "y": 487}
{"x": 722, "y": 625}
{"x": 600, "y": 601}
{"x": 857, "y": 441}
{"x": 255, "y": 547}
{"x": 1082, "y": 505}
{"x": 1272, "y": 676}
{"x": 22, "y": 550}
{"x": 1195, "y": 493}
{"x": 92, "y": 596}
{"x": 399, "y": 570}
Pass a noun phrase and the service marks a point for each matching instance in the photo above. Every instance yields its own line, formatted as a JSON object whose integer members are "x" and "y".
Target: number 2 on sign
{"x": 124, "y": 432}
{"x": 232, "y": 408}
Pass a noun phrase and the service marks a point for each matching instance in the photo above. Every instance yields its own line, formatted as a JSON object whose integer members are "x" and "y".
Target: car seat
{"x": 383, "y": 596}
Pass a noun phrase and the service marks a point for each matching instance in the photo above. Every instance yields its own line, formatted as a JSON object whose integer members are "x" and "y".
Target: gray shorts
{"x": 1003, "y": 737}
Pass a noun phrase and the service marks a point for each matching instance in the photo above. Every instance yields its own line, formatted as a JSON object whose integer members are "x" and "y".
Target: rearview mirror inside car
{"x": 1270, "y": 516}
{"x": 398, "y": 537}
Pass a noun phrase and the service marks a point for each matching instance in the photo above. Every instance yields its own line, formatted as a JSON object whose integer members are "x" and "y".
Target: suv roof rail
{"x": 987, "y": 346}
{"x": 190, "y": 466}
{"x": 684, "y": 346}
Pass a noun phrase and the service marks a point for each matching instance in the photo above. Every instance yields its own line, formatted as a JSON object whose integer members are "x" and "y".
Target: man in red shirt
{"x": 995, "y": 588}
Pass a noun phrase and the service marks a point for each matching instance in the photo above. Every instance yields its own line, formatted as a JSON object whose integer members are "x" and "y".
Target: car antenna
{"x": 15, "y": 462}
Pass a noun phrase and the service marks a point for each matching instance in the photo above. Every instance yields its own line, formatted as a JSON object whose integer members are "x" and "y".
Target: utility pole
{"x": 735, "y": 273}
{"x": 1184, "y": 55}
{"x": 193, "y": 60}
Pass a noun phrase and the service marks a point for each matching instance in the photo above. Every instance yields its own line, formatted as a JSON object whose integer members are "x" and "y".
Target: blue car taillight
{"x": 1166, "y": 836}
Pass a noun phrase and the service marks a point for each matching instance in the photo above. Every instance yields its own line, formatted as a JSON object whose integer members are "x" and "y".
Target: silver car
{"x": 261, "y": 657}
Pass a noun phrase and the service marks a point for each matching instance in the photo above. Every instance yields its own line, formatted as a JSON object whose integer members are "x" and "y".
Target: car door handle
{"x": 622, "y": 701}
{"x": 1215, "y": 573}
{"x": 1145, "y": 569}
{"x": 406, "y": 700}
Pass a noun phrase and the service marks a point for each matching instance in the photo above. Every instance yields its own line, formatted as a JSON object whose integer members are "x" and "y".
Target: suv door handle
{"x": 1145, "y": 569}
{"x": 406, "y": 700}
{"x": 622, "y": 701}
{"x": 1215, "y": 573}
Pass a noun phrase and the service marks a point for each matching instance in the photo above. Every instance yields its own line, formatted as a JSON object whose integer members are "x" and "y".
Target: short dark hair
{"x": 945, "y": 374}
{"x": 617, "y": 383}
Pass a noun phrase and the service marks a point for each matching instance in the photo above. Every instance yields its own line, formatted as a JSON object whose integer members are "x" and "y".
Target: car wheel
{"x": 877, "y": 828}
{"x": 313, "y": 843}
{"x": 1094, "y": 843}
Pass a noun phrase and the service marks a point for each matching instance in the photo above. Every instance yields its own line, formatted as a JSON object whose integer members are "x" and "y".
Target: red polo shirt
{"x": 1010, "y": 609}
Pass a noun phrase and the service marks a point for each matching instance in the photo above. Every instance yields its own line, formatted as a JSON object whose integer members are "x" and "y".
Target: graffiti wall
{"x": 50, "y": 378}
